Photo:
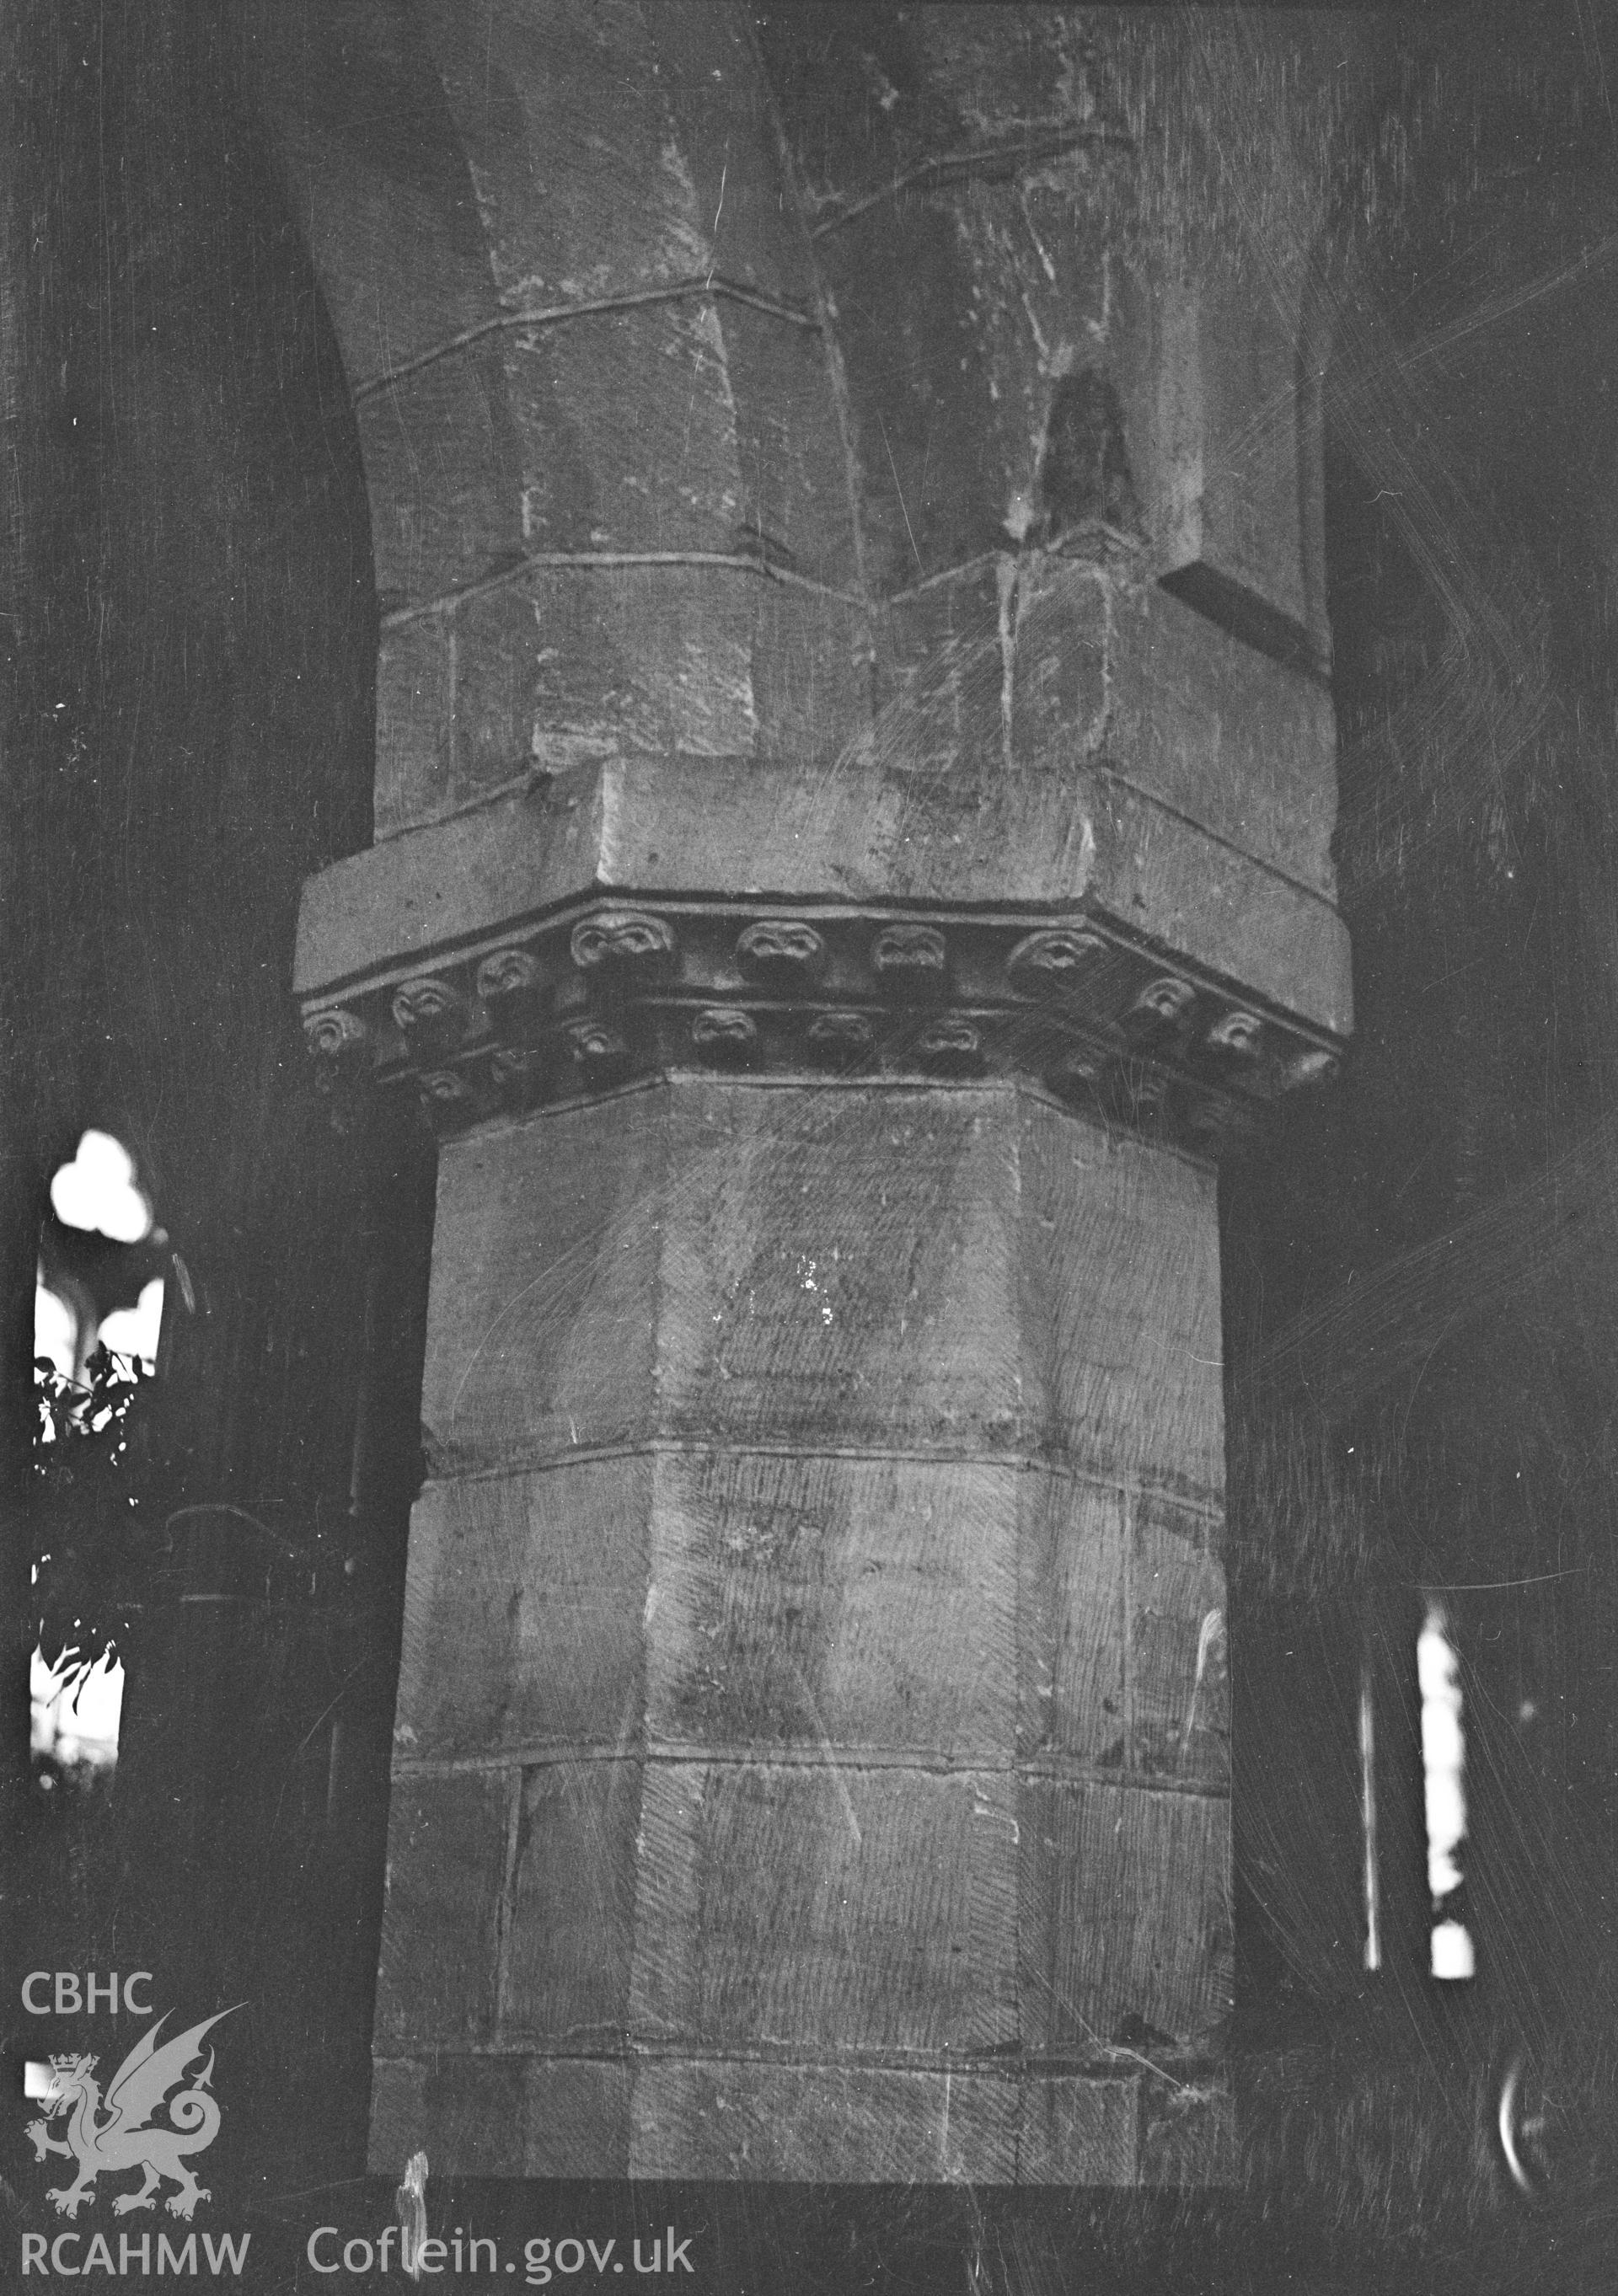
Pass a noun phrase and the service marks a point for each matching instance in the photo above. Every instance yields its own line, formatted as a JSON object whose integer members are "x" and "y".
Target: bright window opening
{"x": 97, "y": 1191}
{"x": 98, "y": 1262}
{"x": 134, "y": 1331}
{"x": 99, "y": 1284}
{"x": 1368, "y": 1813}
{"x": 74, "y": 1728}
{"x": 1444, "y": 1760}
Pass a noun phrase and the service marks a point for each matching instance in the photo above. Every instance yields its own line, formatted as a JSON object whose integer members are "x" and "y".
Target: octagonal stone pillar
{"x": 855, "y": 783}
{"x": 811, "y": 1748}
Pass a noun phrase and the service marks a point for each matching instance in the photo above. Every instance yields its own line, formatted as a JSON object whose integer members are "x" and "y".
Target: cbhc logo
{"x": 66, "y": 1998}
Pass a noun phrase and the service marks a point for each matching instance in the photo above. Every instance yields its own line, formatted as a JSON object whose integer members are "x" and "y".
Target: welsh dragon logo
{"x": 117, "y": 2133}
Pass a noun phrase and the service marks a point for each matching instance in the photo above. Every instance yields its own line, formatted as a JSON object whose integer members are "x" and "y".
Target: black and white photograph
{"x": 808, "y": 1147}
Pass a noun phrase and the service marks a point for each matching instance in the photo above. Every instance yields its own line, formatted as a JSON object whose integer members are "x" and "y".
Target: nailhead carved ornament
{"x": 595, "y": 997}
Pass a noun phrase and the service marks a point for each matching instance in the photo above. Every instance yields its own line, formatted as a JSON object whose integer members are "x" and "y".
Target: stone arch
{"x": 609, "y": 502}
{"x": 706, "y": 429}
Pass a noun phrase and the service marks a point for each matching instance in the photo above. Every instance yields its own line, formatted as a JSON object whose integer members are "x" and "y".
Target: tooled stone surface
{"x": 599, "y": 994}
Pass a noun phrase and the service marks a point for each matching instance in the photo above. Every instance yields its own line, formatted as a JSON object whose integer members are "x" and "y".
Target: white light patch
{"x": 134, "y": 1331}
{"x": 1367, "y": 1816}
{"x": 54, "y": 1330}
{"x": 80, "y": 1726}
{"x": 97, "y": 1191}
{"x": 1452, "y": 1954}
{"x": 1444, "y": 1756}
{"x": 1443, "y": 1752}
{"x": 35, "y": 2078}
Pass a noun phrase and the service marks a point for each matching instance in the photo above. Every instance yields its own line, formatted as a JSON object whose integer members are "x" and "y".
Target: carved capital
{"x": 839, "y": 1036}
{"x": 591, "y": 996}
{"x": 1054, "y": 960}
{"x": 951, "y": 1047}
{"x": 594, "y": 1045}
{"x": 781, "y": 949}
{"x": 1240, "y": 1036}
{"x": 622, "y": 936}
{"x": 507, "y": 972}
{"x": 335, "y": 1035}
{"x": 1164, "y": 1003}
{"x": 725, "y": 1032}
{"x": 911, "y": 958}
{"x": 429, "y": 1009}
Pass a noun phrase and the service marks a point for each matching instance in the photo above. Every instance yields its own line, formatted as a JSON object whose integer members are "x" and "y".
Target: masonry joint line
{"x": 552, "y": 314}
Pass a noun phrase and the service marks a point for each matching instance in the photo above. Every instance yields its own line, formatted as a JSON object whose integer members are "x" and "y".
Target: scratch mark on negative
{"x": 718, "y": 212}
{"x": 827, "y": 1748}
{"x": 899, "y": 491}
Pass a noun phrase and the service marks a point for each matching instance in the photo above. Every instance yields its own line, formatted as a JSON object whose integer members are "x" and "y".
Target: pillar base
{"x": 742, "y": 2120}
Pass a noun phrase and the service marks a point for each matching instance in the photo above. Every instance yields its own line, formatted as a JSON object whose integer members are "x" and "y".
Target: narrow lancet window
{"x": 1367, "y": 1812}
{"x": 1443, "y": 1757}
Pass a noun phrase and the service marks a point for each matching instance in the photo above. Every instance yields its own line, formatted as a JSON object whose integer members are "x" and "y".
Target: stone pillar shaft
{"x": 811, "y": 1745}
